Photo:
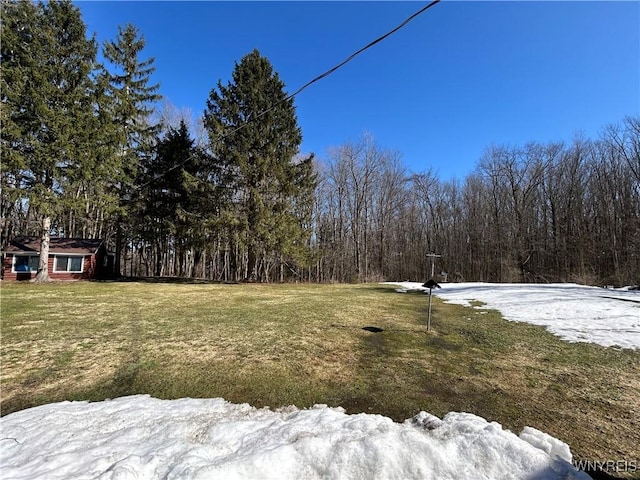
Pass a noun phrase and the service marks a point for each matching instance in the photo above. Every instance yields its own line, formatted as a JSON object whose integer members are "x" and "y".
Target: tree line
{"x": 553, "y": 212}
{"x": 72, "y": 131}
{"x": 83, "y": 156}
{"x": 87, "y": 153}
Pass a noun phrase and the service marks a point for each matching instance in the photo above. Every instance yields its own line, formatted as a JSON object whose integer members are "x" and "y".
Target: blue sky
{"x": 458, "y": 78}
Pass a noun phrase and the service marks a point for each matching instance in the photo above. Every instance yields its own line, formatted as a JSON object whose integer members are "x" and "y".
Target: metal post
{"x": 429, "y": 317}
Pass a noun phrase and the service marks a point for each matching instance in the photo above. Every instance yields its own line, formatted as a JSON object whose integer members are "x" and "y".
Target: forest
{"x": 88, "y": 152}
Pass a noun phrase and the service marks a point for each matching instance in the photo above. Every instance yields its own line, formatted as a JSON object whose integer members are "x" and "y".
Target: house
{"x": 69, "y": 259}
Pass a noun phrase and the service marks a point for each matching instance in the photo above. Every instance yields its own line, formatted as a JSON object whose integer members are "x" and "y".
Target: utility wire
{"x": 352, "y": 56}
{"x": 306, "y": 85}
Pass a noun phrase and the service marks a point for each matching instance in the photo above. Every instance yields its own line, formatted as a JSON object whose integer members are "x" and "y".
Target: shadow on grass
{"x": 390, "y": 288}
{"x": 122, "y": 383}
{"x": 173, "y": 280}
{"x": 372, "y": 287}
{"x": 401, "y": 371}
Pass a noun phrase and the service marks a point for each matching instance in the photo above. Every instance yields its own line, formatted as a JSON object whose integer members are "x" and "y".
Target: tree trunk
{"x": 233, "y": 261}
{"x": 252, "y": 264}
{"x": 43, "y": 265}
{"x": 158, "y": 260}
{"x": 117, "y": 264}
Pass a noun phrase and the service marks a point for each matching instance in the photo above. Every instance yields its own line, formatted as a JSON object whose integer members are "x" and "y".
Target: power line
{"x": 351, "y": 57}
{"x": 306, "y": 85}
{"x": 377, "y": 40}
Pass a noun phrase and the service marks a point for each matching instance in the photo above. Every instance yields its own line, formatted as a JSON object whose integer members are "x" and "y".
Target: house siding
{"x": 88, "y": 270}
{"x": 97, "y": 262}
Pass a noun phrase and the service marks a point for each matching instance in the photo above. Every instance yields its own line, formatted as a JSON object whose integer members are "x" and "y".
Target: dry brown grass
{"x": 303, "y": 344}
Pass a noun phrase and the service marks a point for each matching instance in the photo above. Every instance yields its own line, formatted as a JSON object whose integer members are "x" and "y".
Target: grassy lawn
{"x": 278, "y": 345}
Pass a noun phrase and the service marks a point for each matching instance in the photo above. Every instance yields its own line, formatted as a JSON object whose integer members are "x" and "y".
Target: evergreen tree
{"x": 133, "y": 96}
{"x": 132, "y": 104}
{"x": 91, "y": 201}
{"x": 18, "y": 25}
{"x": 48, "y": 122}
{"x": 255, "y": 137}
{"x": 170, "y": 202}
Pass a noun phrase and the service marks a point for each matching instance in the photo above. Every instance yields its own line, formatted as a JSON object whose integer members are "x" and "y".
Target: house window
{"x": 25, "y": 263}
{"x": 67, "y": 263}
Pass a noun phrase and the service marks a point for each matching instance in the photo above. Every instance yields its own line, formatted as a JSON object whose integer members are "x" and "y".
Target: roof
{"x": 56, "y": 245}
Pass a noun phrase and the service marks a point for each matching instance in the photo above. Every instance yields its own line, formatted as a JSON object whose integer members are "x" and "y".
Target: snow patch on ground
{"x": 577, "y": 313}
{"x": 140, "y": 437}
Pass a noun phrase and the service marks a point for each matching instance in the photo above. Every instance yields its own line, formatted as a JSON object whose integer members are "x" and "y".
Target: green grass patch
{"x": 277, "y": 345}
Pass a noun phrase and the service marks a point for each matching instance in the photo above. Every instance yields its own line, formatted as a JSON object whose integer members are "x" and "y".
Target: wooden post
{"x": 433, "y": 256}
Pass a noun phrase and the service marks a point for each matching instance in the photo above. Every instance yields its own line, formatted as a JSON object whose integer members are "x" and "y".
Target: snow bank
{"x": 577, "y": 313}
{"x": 140, "y": 437}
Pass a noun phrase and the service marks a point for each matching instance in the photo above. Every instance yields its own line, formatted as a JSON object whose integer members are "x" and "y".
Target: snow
{"x": 576, "y": 313}
{"x": 140, "y": 437}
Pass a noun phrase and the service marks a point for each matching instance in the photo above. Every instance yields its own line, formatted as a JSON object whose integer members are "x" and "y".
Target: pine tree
{"x": 47, "y": 64}
{"x": 91, "y": 201}
{"x": 133, "y": 95}
{"x": 133, "y": 98}
{"x": 255, "y": 136}
{"x": 169, "y": 202}
{"x": 18, "y": 28}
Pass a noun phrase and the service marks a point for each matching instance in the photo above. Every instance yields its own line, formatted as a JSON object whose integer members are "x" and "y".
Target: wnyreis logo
{"x": 617, "y": 466}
